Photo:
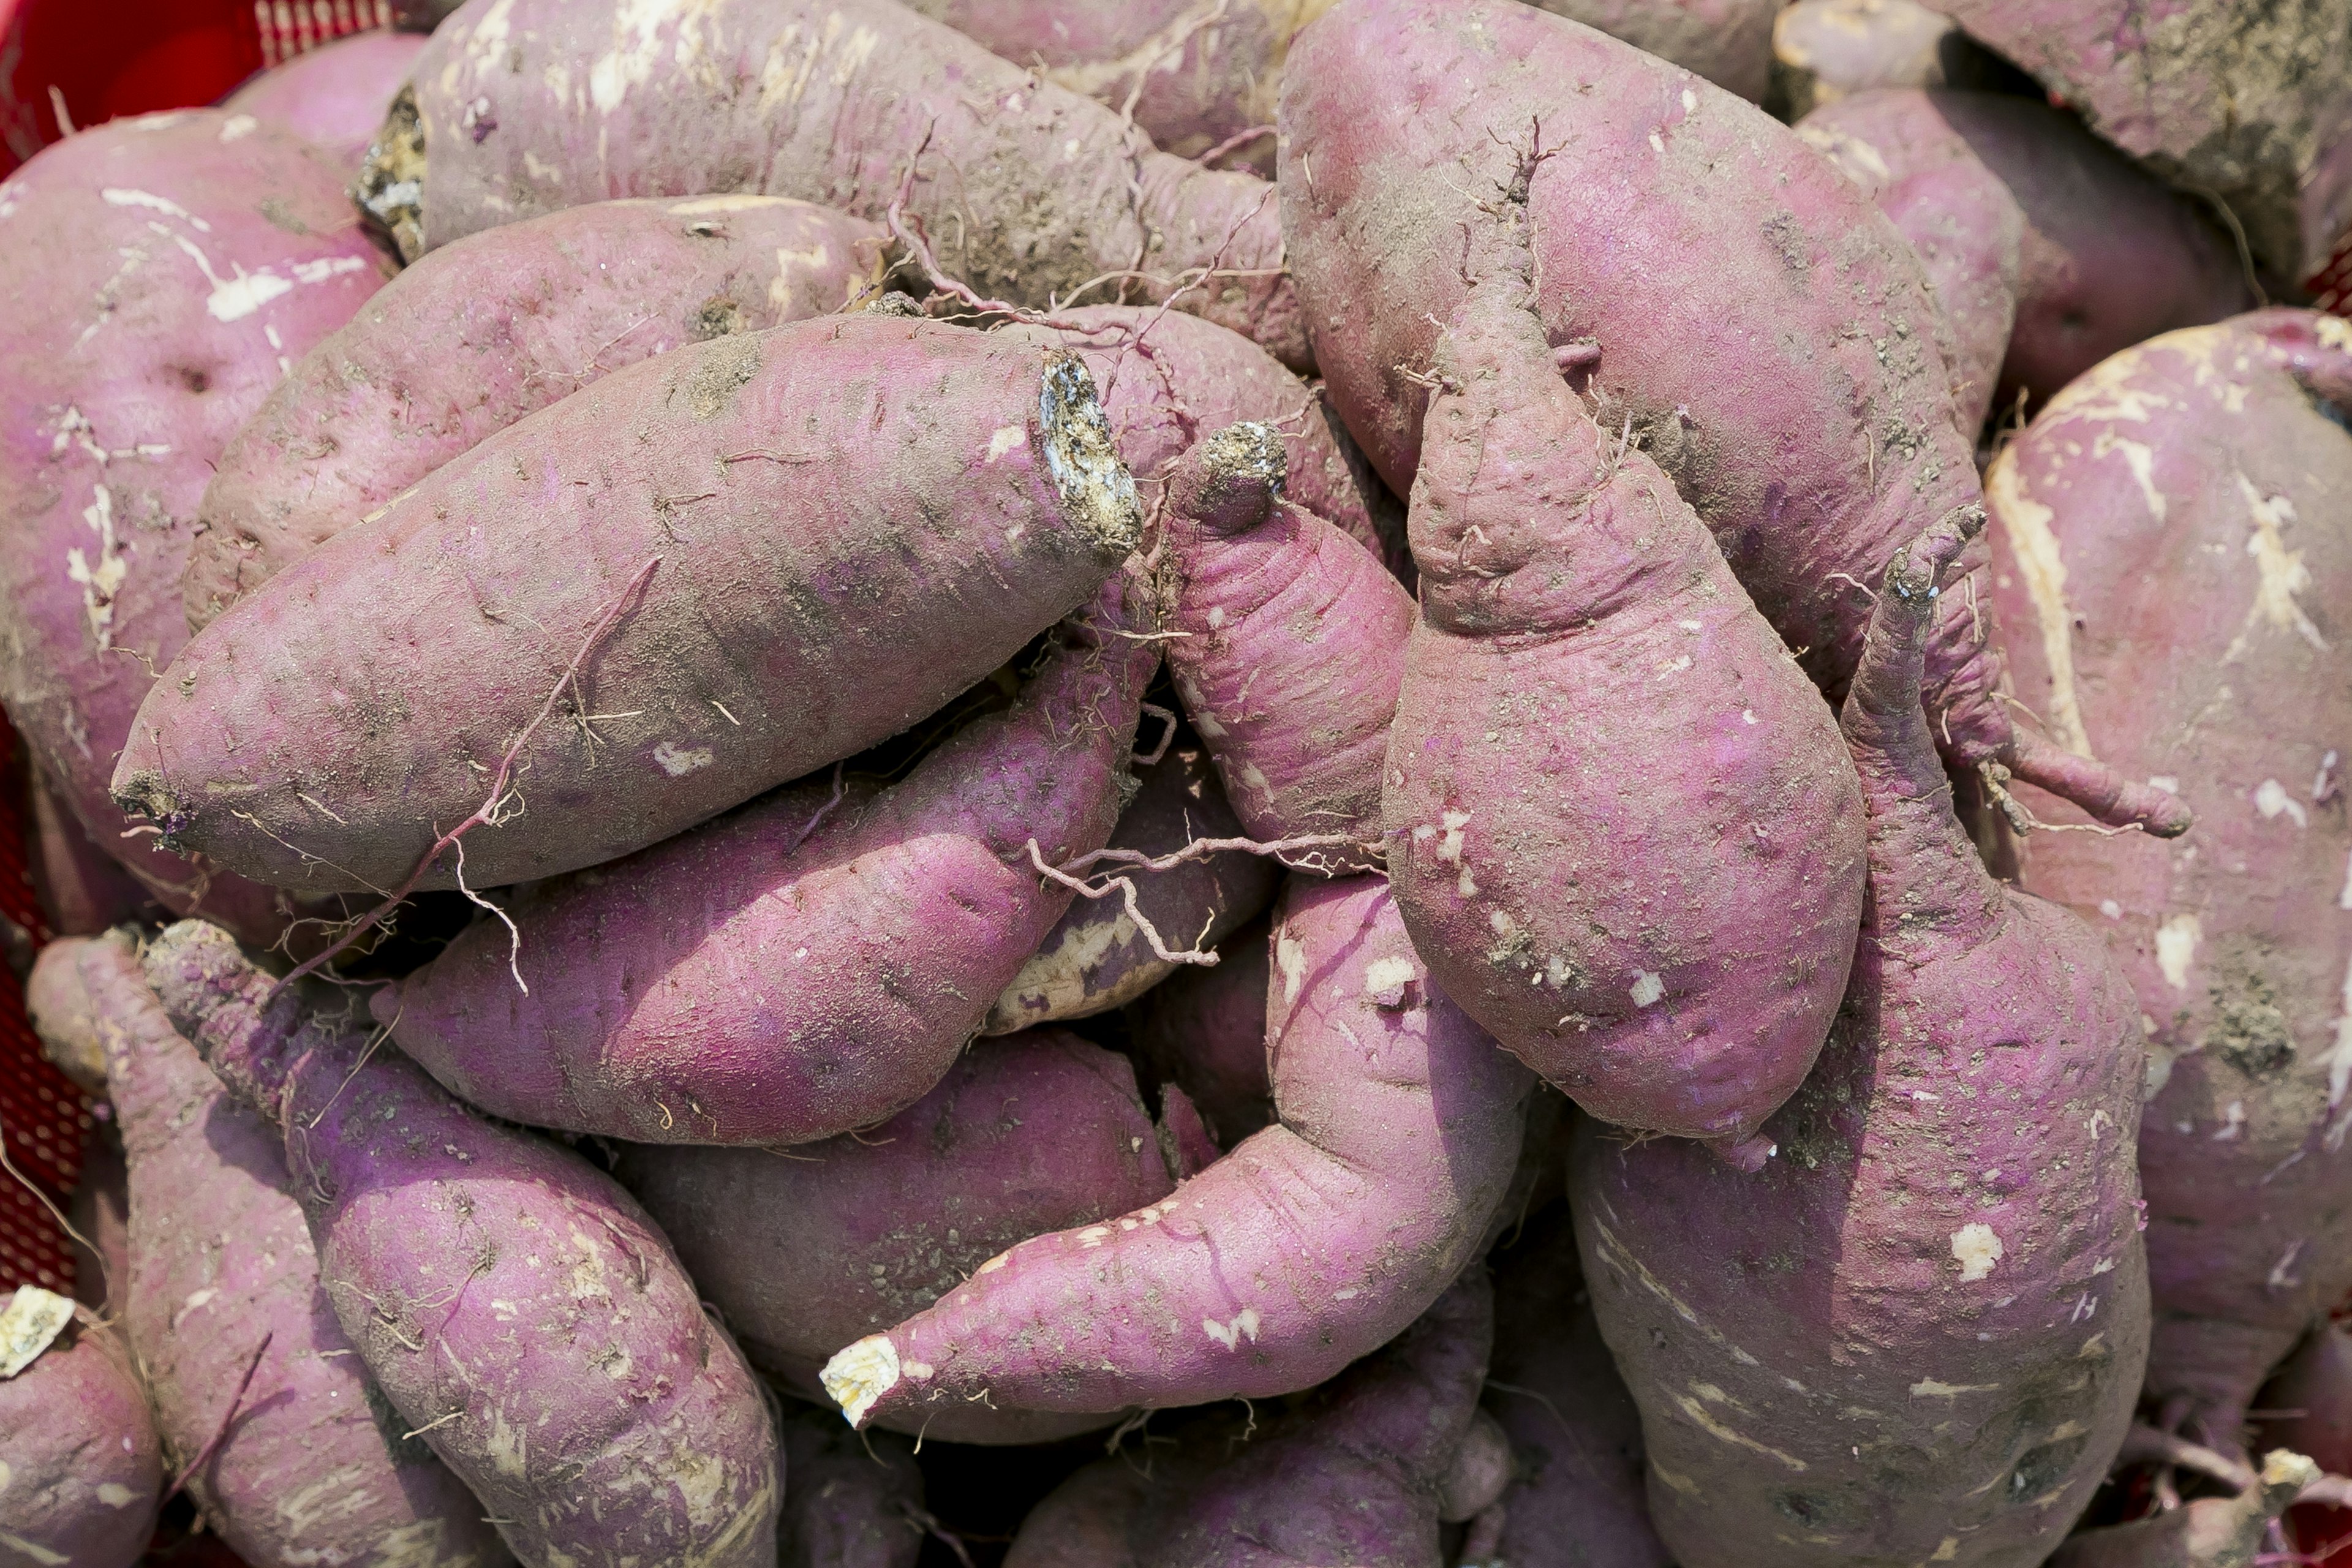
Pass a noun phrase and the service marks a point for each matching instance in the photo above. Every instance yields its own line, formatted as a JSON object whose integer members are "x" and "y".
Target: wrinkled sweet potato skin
{"x": 2175, "y": 605}
{"x": 333, "y": 96}
{"x": 85, "y": 1472}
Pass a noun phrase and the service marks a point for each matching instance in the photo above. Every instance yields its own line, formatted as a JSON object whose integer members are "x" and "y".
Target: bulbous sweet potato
{"x": 1308, "y": 1245}
{"x": 2164, "y": 528}
{"x": 518, "y": 1309}
{"x": 1671, "y": 957}
{"x": 247, "y": 1367}
{"x": 333, "y": 96}
{"x": 1028, "y": 190}
{"x": 806, "y": 1250}
{"x": 160, "y": 273}
{"x": 1917, "y": 1333}
{"x": 82, "y": 1475}
{"x": 693, "y": 549}
{"x": 799, "y": 968}
{"x": 485, "y": 331}
{"x": 1799, "y": 401}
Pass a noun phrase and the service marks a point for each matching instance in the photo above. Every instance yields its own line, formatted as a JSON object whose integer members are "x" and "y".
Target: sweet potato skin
{"x": 232, "y": 250}
{"x": 982, "y": 506}
{"x": 220, "y": 1261}
{"x": 1825, "y": 51}
{"x": 85, "y": 1473}
{"x": 492, "y": 328}
{"x": 2175, "y": 608}
{"x": 546, "y": 103}
{"x": 1205, "y": 1030}
{"x": 1036, "y": 1133}
{"x": 333, "y": 96}
{"x": 854, "y": 1499}
{"x": 1919, "y": 1331}
{"x": 518, "y": 1309}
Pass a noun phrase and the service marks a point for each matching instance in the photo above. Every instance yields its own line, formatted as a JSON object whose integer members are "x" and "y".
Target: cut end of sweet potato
{"x": 859, "y": 1375}
{"x": 390, "y": 188}
{"x": 1097, "y": 490}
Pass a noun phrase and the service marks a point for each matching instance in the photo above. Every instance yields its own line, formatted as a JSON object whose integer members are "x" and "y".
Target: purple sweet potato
{"x": 1205, "y": 1030}
{"x": 485, "y": 331}
{"x": 82, "y": 890}
{"x": 1824, "y": 50}
{"x": 804, "y": 1251}
{"x": 1353, "y": 1473}
{"x": 309, "y": 1465}
{"x": 856, "y": 1498}
{"x": 1574, "y": 1431}
{"x": 81, "y": 1473}
{"x": 1799, "y": 397}
{"x": 2249, "y": 104}
{"x": 2210, "y": 1532}
{"x": 160, "y": 273}
{"x": 2108, "y": 258}
{"x": 1095, "y": 957}
{"x": 2308, "y": 1409}
{"x": 1728, "y": 42}
{"x": 2167, "y": 527}
{"x": 1917, "y": 1334}
{"x": 786, "y": 973}
{"x": 65, "y": 1016}
{"x": 703, "y": 540}
{"x": 101, "y": 1212}
{"x": 1669, "y": 955}
{"x": 333, "y": 96}
{"x": 517, "y": 1308}
{"x": 1027, "y": 191}
{"x": 1308, "y": 1245}
{"x": 1290, "y": 645}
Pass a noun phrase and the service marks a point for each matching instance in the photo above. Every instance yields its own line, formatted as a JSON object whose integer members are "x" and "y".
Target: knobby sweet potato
{"x": 81, "y": 1473}
{"x": 160, "y": 274}
{"x": 333, "y": 96}
{"x": 492, "y": 328}
{"x": 1800, "y": 399}
{"x": 790, "y": 973}
{"x": 1915, "y": 1335}
{"x": 249, "y": 1371}
{"x": 804, "y": 1251}
{"x": 2173, "y": 587}
{"x": 1308, "y": 1245}
{"x": 689, "y": 581}
{"x": 1027, "y": 191}
{"x": 518, "y": 1309}
{"x": 1669, "y": 955}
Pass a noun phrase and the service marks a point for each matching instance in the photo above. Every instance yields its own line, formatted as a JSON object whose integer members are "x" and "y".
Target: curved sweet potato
{"x": 1027, "y": 190}
{"x": 712, "y": 579}
{"x": 2164, "y": 526}
{"x": 519, "y": 1309}
{"x": 485, "y": 331}
{"x": 83, "y": 1474}
{"x": 333, "y": 96}
{"x": 1919, "y": 1332}
{"x": 1311, "y": 1244}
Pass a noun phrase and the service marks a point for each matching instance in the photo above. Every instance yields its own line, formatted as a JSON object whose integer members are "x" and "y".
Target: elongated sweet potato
{"x": 2251, "y": 104}
{"x": 1204, "y": 1031}
{"x": 1800, "y": 400}
{"x": 854, "y": 1499}
{"x": 514, "y": 1304}
{"x": 1095, "y": 957}
{"x": 1308, "y": 1244}
{"x": 787, "y": 973}
{"x": 1670, "y": 956}
{"x": 1027, "y": 190}
{"x": 1917, "y": 1332}
{"x": 2174, "y": 593}
{"x": 160, "y": 273}
{"x": 82, "y": 1472}
{"x": 485, "y": 331}
{"x": 1353, "y": 1473}
{"x": 248, "y": 1366}
{"x": 807, "y": 1250}
{"x": 677, "y": 569}
{"x": 2107, "y": 257}
{"x": 333, "y": 96}
{"x": 2210, "y": 1532}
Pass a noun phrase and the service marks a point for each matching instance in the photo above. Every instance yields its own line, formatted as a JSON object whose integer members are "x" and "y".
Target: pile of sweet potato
{"x": 1165, "y": 783}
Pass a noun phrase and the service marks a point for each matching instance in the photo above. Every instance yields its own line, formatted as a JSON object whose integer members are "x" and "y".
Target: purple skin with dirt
{"x": 804, "y": 1252}
{"x": 223, "y": 1282}
{"x": 1801, "y": 400}
{"x": 2173, "y": 579}
{"x": 333, "y": 96}
{"x": 1668, "y": 955}
{"x": 494, "y": 327}
{"x": 965, "y": 480}
{"x": 85, "y": 1473}
{"x": 1917, "y": 1333}
{"x": 519, "y": 1309}
{"x": 860, "y": 944}
{"x": 1027, "y": 191}
{"x": 160, "y": 273}
{"x": 1311, "y": 1244}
